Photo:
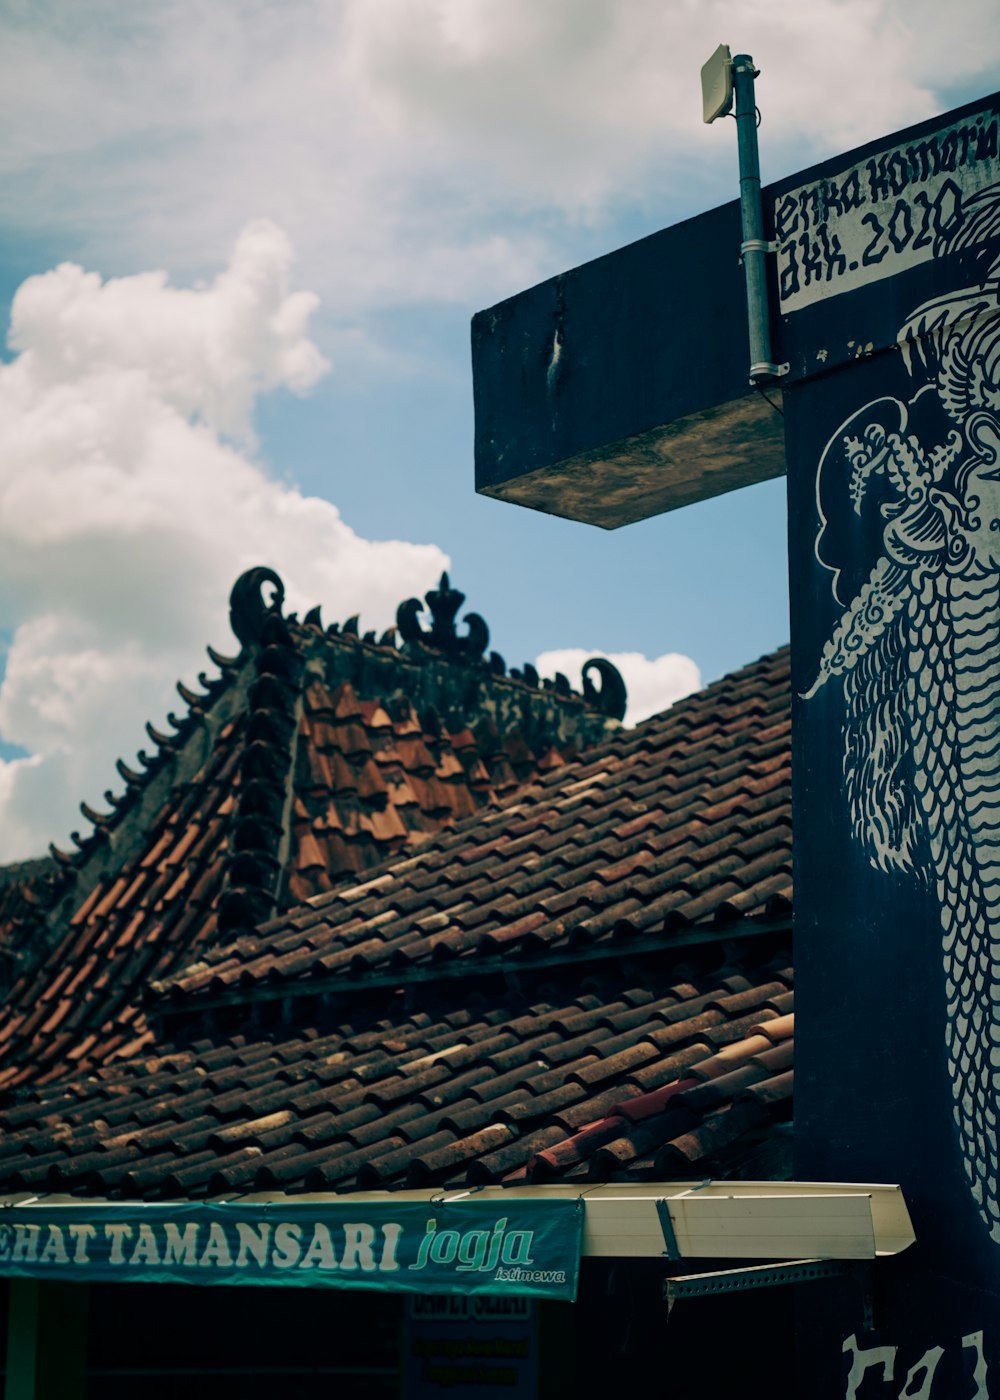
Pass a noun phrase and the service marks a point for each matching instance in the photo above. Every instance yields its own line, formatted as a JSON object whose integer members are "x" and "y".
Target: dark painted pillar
{"x": 894, "y": 517}
{"x": 46, "y": 1341}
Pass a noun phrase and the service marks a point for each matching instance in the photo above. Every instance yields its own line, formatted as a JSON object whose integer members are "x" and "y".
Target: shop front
{"x": 420, "y": 1294}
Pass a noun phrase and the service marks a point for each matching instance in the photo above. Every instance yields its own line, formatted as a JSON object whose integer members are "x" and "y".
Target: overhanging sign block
{"x": 619, "y": 390}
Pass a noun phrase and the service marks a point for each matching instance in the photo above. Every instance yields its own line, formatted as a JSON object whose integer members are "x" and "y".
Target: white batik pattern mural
{"x": 917, "y": 649}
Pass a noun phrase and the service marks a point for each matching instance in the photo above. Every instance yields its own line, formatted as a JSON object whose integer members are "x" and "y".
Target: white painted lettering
{"x": 25, "y": 1249}
{"x": 117, "y": 1234}
{"x": 253, "y": 1240}
{"x": 287, "y": 1245}
{"x": 80, "y": 1234}
{"x": 358, "y": 1241}
{"x": 920, "y": 1378}
{"x": 880, "y": 217}
{"x": 180, "y": 1247}
{"x": 861, "y": 1361}
{"x": 974, "y": 1340}
{"x": 924, "y": 1370}
{"x": 390, "y": 1233}
{"x": 146, "y": 1250}
{"x": 216, "y": 1249}
{"x": 54, "y": 1251}
{"x": 320, "y": 1252}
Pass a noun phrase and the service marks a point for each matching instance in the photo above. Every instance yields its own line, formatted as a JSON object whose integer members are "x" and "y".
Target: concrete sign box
{"x": 619, "y": 390}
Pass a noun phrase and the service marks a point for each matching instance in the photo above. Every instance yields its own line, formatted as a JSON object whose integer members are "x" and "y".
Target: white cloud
{"x": 409, "y": 145}
{"x": 652, "y": 683}
{"x": 208, "y": 355}
{"x": 415, "y": 151}
{"x": 129, "y": 503}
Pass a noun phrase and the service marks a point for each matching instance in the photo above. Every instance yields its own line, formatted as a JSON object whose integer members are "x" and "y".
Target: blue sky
{"x": 382, "y": 171}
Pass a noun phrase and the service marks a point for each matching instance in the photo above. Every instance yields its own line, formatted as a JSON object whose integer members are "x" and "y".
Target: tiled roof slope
{"x": 682, "y": 822}
{"x": 592, "y": 983}
{"x": 664, "y": 1071}
{"x": 315, "y": 755}
{"x": 27, "y": 890}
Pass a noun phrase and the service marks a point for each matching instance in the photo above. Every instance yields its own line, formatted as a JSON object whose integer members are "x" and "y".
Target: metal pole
{"x": 754, "y": 247}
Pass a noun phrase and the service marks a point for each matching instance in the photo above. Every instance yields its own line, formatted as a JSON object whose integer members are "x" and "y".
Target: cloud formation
{"x": 408, "y": 145}
{"x": 130, "y": 501}
{"x": 652, "y": 683}
{"x": 418, "y": 153}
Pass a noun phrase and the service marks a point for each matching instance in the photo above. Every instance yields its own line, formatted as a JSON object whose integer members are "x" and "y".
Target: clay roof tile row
{"x": 362, "y": 777}
{"x": 554, "y": 1090}
{"x": 585, "y": 856}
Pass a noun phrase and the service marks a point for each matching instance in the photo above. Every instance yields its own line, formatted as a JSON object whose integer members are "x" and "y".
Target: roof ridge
{"x": 539, "y": 788}
{"x": 78, "y": 873}
{"x": 259, "y": 825}
{"x": 150, "y": 765}
{"x": 204, "y": 842}
{"x": 471, "y": 888}
{"x": 414, "y": 640}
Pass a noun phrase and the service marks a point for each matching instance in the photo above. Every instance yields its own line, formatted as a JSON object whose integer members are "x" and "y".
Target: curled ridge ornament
{"x": 612, "y": 697}
{"x": 443, "y": 604}
{"x": 248, "y": 609}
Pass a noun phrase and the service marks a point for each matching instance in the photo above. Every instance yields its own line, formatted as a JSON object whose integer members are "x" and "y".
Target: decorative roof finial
{"x": 248, "y": 610}
{"x": 443, "y": 603}
{"x": 612, "y": 698}
{"x": 256, "y": 822}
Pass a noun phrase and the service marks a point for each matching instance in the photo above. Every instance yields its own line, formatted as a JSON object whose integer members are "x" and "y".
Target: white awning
{"x": 712, "y": 1220}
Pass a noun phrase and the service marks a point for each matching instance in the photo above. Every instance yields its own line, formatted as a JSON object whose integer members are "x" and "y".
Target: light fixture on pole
{"x": 722, "y": 77}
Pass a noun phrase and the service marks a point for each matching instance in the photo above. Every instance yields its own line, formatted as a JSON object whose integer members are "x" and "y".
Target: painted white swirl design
{"x": 917, "y": 649}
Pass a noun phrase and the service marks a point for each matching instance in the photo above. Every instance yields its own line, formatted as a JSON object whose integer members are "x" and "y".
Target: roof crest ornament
{"x": 248, "y": 609}
{"x": 443, "y": 604}
{"x": 224, "y": 663}
{"x": 612, "y": 697}
{"x": 252, "y": 867}
{"x": 192, "y": 699}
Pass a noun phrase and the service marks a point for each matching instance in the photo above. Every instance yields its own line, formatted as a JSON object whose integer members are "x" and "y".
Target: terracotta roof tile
{"x": 419, "y": 1098}
{"x": 592, "y": 875}
{"x": 533, "y": 993}
{"x": 197, "y": 836}
{"x": 577, "y": 892}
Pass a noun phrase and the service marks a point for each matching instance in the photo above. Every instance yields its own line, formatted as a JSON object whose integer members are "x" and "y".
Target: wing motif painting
{"x": 917, "y": 651}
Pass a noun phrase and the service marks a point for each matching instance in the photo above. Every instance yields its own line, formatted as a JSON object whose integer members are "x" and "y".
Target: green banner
{"x": 518, "y": 1248}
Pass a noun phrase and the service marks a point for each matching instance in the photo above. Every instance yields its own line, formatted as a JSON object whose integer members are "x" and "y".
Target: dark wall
{"x": 250, "y": 1343}
{"x": 242, "y": 1343}
{"x": 626, "y": 1342}
{"x": 894, "y": 521}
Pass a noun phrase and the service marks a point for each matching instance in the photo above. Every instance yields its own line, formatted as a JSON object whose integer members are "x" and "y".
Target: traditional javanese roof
{"x": 682, "y": 822}
{"x": 591, "y": 981}
{"x": 307, "y": 760}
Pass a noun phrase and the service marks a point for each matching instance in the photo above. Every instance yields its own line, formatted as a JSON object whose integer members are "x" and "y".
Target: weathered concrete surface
{"x": 705, "y": 454}
{"x": 621, "y": 388}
